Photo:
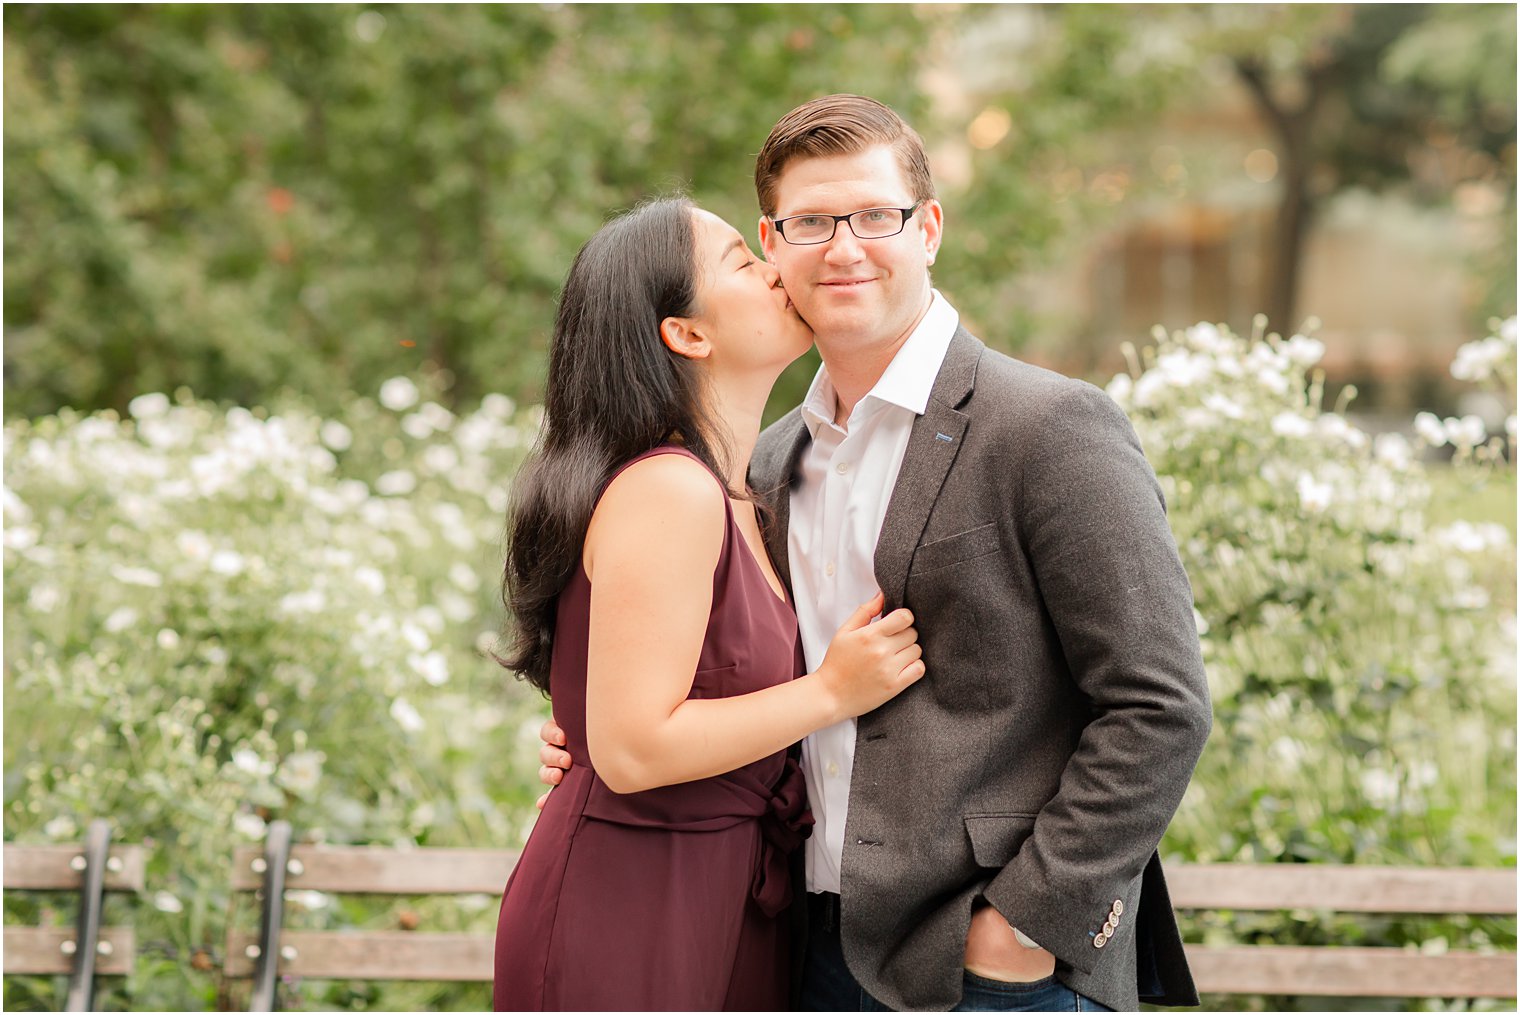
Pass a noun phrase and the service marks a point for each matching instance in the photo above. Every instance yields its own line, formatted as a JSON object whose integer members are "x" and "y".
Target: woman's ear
{"x": 682, "y": 339}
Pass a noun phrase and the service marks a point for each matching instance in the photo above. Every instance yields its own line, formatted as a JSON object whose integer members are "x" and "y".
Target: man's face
{"x": 856, "y": 294}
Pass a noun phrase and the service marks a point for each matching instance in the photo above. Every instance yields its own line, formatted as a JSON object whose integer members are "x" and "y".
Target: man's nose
{"x": 845, "y": 247}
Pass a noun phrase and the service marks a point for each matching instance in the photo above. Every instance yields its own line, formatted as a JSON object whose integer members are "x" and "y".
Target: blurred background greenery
{"x": 245, "y": 198}
{"x": 334, "y": 235}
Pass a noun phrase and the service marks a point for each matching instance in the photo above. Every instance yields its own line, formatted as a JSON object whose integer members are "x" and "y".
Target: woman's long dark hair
{"x": 614, "y": 391}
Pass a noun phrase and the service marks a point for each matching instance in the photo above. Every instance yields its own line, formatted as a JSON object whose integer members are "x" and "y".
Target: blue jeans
{"x": 828, "y": 985}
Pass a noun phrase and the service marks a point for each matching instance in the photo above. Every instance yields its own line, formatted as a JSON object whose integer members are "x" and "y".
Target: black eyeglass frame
{"x": 780, "y": 224}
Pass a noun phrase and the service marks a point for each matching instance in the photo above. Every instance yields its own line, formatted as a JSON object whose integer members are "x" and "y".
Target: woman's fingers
{"x": 553, "y": 757}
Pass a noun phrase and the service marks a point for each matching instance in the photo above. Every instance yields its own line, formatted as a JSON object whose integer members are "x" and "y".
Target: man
{"x": 985, "y": 841}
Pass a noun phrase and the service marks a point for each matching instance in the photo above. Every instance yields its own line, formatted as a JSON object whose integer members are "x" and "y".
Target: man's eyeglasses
{"x": 867, "y": 224}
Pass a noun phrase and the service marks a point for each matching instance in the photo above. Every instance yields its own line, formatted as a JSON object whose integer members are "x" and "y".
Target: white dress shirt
{"x": 836, "y": 513}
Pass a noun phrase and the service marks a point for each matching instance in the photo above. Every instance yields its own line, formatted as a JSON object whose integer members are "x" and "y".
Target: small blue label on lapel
{"x": 944, "y": 437}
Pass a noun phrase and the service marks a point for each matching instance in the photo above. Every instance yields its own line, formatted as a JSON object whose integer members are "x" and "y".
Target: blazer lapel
{"x": 933, "y": 443}
{"x": 780, "y": 500}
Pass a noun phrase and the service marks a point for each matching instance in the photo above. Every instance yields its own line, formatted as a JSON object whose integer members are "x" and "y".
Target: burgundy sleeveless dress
{"x": 673, "y": 898}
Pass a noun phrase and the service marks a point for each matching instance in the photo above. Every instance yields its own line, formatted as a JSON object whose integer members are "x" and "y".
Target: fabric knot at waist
{"x": 710, "y": 805}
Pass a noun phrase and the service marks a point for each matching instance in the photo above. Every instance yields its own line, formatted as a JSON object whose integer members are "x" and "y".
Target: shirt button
{"x": 842, "y": 468}
{"x": 828, "y": 569}
{"x": 833, "y": 769}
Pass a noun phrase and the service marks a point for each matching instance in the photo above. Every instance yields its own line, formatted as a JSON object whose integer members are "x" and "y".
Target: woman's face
{"x": 742, "y": 310}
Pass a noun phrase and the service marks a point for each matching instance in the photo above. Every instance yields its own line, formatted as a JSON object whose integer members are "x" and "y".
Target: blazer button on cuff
{"x": 1118, "y": 907}
{"x": 1100, "y": 940}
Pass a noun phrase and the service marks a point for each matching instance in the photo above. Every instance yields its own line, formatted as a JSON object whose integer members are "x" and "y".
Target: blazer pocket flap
{"x": 953, "y": 549}
{"x": 996, "y": 838}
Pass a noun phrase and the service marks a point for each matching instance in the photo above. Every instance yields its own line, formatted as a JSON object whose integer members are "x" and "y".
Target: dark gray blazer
{"x": 1038, "y": 762}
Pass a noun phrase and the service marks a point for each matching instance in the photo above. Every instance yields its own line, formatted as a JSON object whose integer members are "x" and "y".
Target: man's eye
{"x": 809, "y": 221}
{"x": 875, "y": 216}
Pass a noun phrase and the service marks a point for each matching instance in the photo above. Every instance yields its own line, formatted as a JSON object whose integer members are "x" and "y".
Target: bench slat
{"x": 379, "y": 870}
{"x": 1344, "y": 889}
{"x": 45, "y": 868}
{"x": 1350, "y": 972}
{"x": 373, "y": 955}
{"x": 39, "y": 950}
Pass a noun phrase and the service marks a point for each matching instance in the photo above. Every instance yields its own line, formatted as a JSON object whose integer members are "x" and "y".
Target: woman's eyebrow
{"x": 737, "y": 243}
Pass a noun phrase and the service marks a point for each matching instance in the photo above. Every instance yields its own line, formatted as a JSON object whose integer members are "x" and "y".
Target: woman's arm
{"x": 651, "y": 549}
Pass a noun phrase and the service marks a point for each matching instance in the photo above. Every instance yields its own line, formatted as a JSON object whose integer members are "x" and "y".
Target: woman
{"x": 645, "y": 604}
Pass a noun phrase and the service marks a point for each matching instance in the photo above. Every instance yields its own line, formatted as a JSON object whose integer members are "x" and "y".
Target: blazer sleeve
{"x": 1093, "y": 522}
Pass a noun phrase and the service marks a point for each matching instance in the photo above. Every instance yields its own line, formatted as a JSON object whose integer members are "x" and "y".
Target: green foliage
{"x": 216, "y": 619}
{"x": 241, "y": 199}
{"x": 1360, "y": 658}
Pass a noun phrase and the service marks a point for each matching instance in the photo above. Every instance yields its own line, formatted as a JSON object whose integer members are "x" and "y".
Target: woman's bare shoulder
{"x": 663, "y": 510}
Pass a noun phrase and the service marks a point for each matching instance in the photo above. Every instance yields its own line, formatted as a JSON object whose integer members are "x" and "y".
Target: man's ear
{"x": 680, "y": 338}
{"x": 768, "y": 238}
{"x": 933, "y": 225}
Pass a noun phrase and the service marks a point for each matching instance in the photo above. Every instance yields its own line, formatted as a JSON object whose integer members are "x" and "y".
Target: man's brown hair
{"x": 840, "y": 125}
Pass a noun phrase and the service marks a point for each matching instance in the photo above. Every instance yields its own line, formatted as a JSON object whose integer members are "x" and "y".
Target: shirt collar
{"x": 907, "y": 380}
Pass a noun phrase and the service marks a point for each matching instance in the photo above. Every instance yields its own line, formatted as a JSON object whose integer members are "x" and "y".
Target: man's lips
{"x": 846, "y": 283}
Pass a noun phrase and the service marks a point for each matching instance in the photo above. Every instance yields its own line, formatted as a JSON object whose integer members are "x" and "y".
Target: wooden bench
{"x": 87, "y": 949}
{"x": 352, "y": 954}
{"x": 1235, "y": 969}
{"x": 1334, "y": 971}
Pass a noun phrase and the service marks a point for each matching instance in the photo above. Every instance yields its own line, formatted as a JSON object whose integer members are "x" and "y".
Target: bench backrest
{"x": 1233, "y": 969}
{"x": 375, "y": 955}
{"x": 57, "y": 950}
{"x": 1346, "y": 971}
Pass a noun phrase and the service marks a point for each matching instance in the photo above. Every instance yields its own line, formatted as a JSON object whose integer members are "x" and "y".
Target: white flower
{"x": 1303, "y": 350}
{"x": 336, "y": 436}
{"x": 486, "y": 642}
{"x": 370, "y": 580}
{"x": 168, "y": 639}
{"x": 166, "y": 902}
{"x": 415, "y": 636}
{"x": 1474, "y": 597}
{"x": 1225, "y": 406}
{"x": 1315, "y": 496}
{"x": 1467, "y": 432}
{"x": 430, "y": 618}
{"x": 440, "y": 459}
{"x": 248, "y": 761}
{"x": 1428, "y": 427}
{"x": 407, "y": 717}
{"x": 44, "y": 597}
{"x": 464, "y": 576}
{"x": 1290, "y": 752}
{"x": 301, "y": 772}
{"x": 299, "y": 603}
{"x": 1182, "y": 368}
{"x": 497, "y": 405}
{"x": 20, "y": 537}
{"x": 456, "y": 607}
{"x": 398, "y": 393}
{"x": 436, "y": 415}
{"x": 1290, "y": 424}
{"x": 227, "y": 562}
{"x": 1120, "y": 388}
{"x": 395, "y": 483}
{"x": 16, "y": 511}
{"x": 431, "y": 666}
{"x": 1380, "y": 787}
{"x": 120, "y": 619}
{"x": 1206, "y": 336}
{"x": 416, "y": 426}
{"x": 1273, "y": 380}
{"x": 1510, "y": 423}
{"x": 60, "y": 828}
{"x": 136, "y": 576}
{"x": 150, "y": 406}
{"x": 1392, "y": 450}
{"x": 307, "y": 899}
{"x": 249, "y": 826}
